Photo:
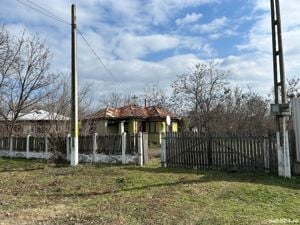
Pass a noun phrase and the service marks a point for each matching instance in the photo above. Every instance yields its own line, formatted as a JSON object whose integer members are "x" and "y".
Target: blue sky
{"x": 149, "y": 41}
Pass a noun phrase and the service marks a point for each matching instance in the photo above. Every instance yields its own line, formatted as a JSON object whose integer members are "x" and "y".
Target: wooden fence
{"x": 238, "y": 152}
{"x": 109, "y": 144}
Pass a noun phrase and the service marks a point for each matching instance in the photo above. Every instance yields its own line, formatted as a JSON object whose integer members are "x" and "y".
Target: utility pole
{"x": 281, "y": 108}
{"x": 74, "y": 98}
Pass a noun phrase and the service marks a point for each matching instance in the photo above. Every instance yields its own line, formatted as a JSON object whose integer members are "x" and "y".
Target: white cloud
{"x": 131, "y": 46}
{"x": 131, "y": 76}
{"x": 123, "y": 35}
{"x": 161, "y": 11}
{"x": 250, "y": 70}
{"x": 189, "y": 18}
{"x": 254, "y": 64}
{"x": 214, "y": 26}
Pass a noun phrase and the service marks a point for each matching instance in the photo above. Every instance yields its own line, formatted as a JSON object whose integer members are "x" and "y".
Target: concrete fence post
{"x": 163, "y": 151}
{"x": 124, "y": 161}
{"x": 95, "y": 147}
{"x": 286, "y": 155}
{"x": 46, "y": 148}
{"x": 11, "y": 146}
{"x": 27, "y": 146}
{"x": 140, "y": 149}
{"x": 68, "y": 146}
{"x": 280, "y": 156}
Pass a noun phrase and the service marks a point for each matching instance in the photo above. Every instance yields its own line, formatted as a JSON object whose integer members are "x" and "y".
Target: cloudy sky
{"x": 149, "y": 41}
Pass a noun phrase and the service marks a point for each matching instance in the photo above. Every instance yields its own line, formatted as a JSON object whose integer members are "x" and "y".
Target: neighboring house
{"x": 41, "y": 122}
{"x": 132, "y": 119}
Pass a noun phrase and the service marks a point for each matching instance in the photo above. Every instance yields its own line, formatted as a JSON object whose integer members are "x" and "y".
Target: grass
{"x": 36, "y": 192}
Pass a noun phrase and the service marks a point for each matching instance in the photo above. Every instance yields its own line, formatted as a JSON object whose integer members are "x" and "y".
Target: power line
{"x": 41, "y": 10}
{"x": 99, "y": 59}
{"x": 49, "y": 14}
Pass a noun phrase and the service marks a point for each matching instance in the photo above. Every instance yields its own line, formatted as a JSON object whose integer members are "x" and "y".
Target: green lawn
{"x": 36, "y": 192}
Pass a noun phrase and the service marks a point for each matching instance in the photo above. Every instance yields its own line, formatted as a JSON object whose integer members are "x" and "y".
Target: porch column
{"x": 105, "y": 127}
{"x": 121, "y": 127}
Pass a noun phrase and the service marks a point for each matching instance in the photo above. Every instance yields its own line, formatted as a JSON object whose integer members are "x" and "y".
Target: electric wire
{"x": 47, "y": 13}
{"x": 100, "y": 60}
{"x": 41, "y": 10}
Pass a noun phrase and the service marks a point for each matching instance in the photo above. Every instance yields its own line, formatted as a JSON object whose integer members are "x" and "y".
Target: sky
{"x": 143, "y": 42}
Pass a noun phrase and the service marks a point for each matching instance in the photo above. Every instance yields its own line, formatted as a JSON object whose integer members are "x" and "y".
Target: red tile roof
{"x": 132, "y": 111}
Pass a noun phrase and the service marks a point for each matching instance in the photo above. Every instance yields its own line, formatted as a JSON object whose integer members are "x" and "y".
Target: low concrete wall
{"x": 101, "y": 158}
{"x": 34, "y": 155}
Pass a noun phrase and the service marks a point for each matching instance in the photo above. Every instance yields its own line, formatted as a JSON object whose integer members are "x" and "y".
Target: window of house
{"x": 113, "y": 128}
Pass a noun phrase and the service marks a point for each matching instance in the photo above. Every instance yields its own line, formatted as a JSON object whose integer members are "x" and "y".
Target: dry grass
{"x": 36, "y": 192}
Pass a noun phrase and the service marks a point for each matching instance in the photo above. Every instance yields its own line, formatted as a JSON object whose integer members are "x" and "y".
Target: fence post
{"x": 286, "y": 155}
{"x": 280, "y": 156}
{"x": 11, "y": 146}
{"x": 95, "y": 135}
{"x": 46, "y": 148}
{"x": 68, "y": 146}
{"x": 124, "y": 161}
{"x": 27, "y": 146}
{"x": 209, "y": 152}
{"x": 266, "y": 155}
{"x": 163, "y": 151}
{"x": 145, "y": 148}
{"x": 140, "y": 148}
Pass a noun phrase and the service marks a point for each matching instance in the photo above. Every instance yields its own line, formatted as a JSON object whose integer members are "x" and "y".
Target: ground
{"x": 37, "y": 192}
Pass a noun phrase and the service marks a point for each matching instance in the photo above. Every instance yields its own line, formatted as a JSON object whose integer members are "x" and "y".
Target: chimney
{"x": 145, "y": 102}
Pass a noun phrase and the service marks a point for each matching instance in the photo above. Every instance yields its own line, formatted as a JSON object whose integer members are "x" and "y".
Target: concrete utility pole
{"x": 74, "y": 107}
{"x": 281, "y": 108}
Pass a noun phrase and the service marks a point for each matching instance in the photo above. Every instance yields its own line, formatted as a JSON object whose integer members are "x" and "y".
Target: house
{"x": 132, "y": 119}
{"x": 41, "y": 122}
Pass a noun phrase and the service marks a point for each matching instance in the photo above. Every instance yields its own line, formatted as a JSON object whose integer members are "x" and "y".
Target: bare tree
{"x": 244, "y": 110}
{"x": 25, "y": 76}
{"x": 293, "y": 87}
{"x": 58, "y": 104}
{"x": 155, "y": 96}
{"x": 198, "y": 93}
{"x": 114, "y": 100}
{"x": 205, "y": 98}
